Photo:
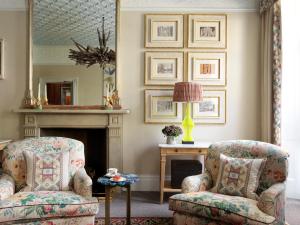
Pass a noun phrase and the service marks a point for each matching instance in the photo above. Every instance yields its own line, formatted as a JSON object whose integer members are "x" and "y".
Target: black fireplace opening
{"x": 95, "y": 150}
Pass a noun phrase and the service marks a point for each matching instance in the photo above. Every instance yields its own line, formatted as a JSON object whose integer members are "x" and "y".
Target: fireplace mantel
{"x": 112, "y": 120}
{"x": 73, "y": 111}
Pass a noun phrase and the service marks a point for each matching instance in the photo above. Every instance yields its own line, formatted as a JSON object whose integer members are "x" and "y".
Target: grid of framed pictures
{"x": 165, "y": 67}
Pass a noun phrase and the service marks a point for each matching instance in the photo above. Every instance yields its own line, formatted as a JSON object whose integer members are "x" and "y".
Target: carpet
{"x": 136, "y": 221}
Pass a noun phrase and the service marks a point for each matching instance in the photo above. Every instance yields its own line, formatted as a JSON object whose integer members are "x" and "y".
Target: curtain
{"x": 271, "y": 70}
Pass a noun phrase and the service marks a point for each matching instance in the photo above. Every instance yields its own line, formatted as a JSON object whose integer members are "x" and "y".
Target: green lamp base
{"x": 188, "y": 126}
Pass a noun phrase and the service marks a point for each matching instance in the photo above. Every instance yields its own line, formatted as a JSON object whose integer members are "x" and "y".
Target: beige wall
{"x": 12, "y": 89}
{"x": 141, "y": 154}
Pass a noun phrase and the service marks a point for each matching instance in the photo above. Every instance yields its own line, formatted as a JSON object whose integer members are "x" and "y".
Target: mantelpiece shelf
{"x": 72, "y": 111}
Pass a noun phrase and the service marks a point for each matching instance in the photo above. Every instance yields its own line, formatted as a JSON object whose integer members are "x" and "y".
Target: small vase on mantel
{"x": 171, "y": 140}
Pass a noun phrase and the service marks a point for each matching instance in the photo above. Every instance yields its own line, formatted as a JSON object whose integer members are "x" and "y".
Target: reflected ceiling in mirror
{"x": 55, "y": 76}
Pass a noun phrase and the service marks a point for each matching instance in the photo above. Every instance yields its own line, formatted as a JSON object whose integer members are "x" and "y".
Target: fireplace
{"x": 101, "y": 131}
{"x": 95, "y": 149}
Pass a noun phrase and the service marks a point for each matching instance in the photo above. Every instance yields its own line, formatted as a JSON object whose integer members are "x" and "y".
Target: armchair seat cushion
{"x": 46, "y": 204}
{"x": 230, "y": 209}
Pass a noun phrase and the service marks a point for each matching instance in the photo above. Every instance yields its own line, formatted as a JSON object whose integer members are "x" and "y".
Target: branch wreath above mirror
{"x": 89, "y": 56}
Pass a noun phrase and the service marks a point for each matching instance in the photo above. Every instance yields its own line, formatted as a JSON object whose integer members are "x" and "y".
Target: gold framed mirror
{"x": 72, "y": 52}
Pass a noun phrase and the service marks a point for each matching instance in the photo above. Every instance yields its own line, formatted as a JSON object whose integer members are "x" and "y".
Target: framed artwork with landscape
{"x": 160, "y": 108}
{"x": 207, "y": 31}
{"x": 208, "y": 68}
{"x": 163, "y": 68}
{"x": 163, "y": 31}
{"x": 212, "y": 109}
{"x": 1, "y": 59}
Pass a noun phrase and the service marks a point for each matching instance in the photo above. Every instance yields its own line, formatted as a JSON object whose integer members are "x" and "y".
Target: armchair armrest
{"x": 7, "y": 186}
{"x": 197, "y": 183}
{"x": 272, "y": 201}
{"x": 82, "y": 183}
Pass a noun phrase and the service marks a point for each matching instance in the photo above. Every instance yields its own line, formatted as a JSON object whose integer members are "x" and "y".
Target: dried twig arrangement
{"x": 90, "y": 55}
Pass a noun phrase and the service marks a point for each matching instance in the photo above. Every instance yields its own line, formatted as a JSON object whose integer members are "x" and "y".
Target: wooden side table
{"x": 178, "y": 149}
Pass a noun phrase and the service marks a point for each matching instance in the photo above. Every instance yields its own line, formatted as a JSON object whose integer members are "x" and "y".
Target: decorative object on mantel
{"x": 1, "y": 59}
{"x": 171, "y": 132}
{"x": 93, "y": 55}
{"x": 113, "y": 101}
{"x": 187, "y": 92}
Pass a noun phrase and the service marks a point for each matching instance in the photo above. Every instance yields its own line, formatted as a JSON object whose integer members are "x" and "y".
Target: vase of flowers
{"x": 171, "y": 132}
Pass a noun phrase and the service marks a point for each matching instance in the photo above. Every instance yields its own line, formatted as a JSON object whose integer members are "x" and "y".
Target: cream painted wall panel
{"x": 12, "y": 89}
{"x": 141, "y": 154}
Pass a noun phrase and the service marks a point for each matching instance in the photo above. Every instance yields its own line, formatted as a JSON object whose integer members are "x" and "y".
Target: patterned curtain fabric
{"x": 272, "y": 8}
{"x": 276, "y": 85}
{"x": 265, "y": 5}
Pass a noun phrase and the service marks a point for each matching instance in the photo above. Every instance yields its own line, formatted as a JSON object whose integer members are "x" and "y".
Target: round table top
{"x": 130, "y": 179}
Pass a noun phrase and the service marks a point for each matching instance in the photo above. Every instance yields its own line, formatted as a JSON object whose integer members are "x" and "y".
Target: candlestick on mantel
{"x": 39, "y": 91}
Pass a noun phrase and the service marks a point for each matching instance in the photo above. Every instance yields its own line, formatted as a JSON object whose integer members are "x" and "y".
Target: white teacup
{"x": 112, "y": 171}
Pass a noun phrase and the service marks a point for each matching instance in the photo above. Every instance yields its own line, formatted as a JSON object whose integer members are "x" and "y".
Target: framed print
{"x": 163, "y": 31}
{"x": 1, "y": 59}
{"x": 212, "y": 110}
{"x": 160, "y": 108}
{"x": 207, "y": 68}
{"x": 207, "y": 31}
{"x": 163, "y": 68}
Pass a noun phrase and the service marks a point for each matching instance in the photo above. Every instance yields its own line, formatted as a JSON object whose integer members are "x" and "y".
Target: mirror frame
{"x": 30, "y": 100}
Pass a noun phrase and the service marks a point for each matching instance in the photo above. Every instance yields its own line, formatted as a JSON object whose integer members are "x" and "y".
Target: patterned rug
{"x": 136, "y": 221}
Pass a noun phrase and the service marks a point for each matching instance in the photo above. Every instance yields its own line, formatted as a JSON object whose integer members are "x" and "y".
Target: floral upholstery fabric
{"x": 196, "y": 183}
{"x": 47, "y": 171}
{"x": 83, "y": 183}
{"x": 238, "y": 177}
{"x": 179, "y": 219}
{"x": 14, "y": 163}
{"x": 202, "y": 207}
{"x": 45, "y": 204}
{"x": 46, "y": 207}
{"x": 272, "y": 201}
{"x": 276, "y": 166}
{"x": 229, "y": 209}
{"x": 7, "y": 186}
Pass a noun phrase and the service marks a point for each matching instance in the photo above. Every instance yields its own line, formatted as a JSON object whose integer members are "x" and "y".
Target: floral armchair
{"x": 197, "y": 205}
{"x": 18, "y": 206}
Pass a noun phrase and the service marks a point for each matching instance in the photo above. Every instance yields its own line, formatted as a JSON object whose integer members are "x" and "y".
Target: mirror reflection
{"x": 74, "y": 51}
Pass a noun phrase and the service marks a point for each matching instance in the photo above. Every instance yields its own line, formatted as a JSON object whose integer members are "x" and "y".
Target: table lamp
{"x": 187, "y": 92}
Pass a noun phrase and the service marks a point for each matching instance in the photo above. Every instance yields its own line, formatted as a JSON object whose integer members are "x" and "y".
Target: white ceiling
{"x": 55, "y": 22}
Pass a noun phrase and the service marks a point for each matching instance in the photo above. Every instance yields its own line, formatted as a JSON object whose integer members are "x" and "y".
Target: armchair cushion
{"x": 47, "y": 171}
{"x": 238, "y": 176}
{"x": 46, "y": 204}
{"x": 83, "y": 183}
{"x": 196, "y": 183}
{"x": 271, "y": 201}
{"x": 7, "y": 186}
{"x": 230, "y": 209}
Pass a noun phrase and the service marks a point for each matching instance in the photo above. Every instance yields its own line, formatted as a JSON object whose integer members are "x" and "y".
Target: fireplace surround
{"x": 51, "y": 122}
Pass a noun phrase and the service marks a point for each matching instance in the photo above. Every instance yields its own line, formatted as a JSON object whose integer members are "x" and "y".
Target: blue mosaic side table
{"x": 109, "y": 184}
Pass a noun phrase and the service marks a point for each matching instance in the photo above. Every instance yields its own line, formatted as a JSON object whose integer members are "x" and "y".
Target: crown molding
{"x": 164, "y": 6}
{"x": 13, "y": 5}
{"x": 190, "y": 5}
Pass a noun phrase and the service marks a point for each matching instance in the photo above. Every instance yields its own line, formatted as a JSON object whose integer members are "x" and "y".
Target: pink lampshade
{"x": 187, "y": 92}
